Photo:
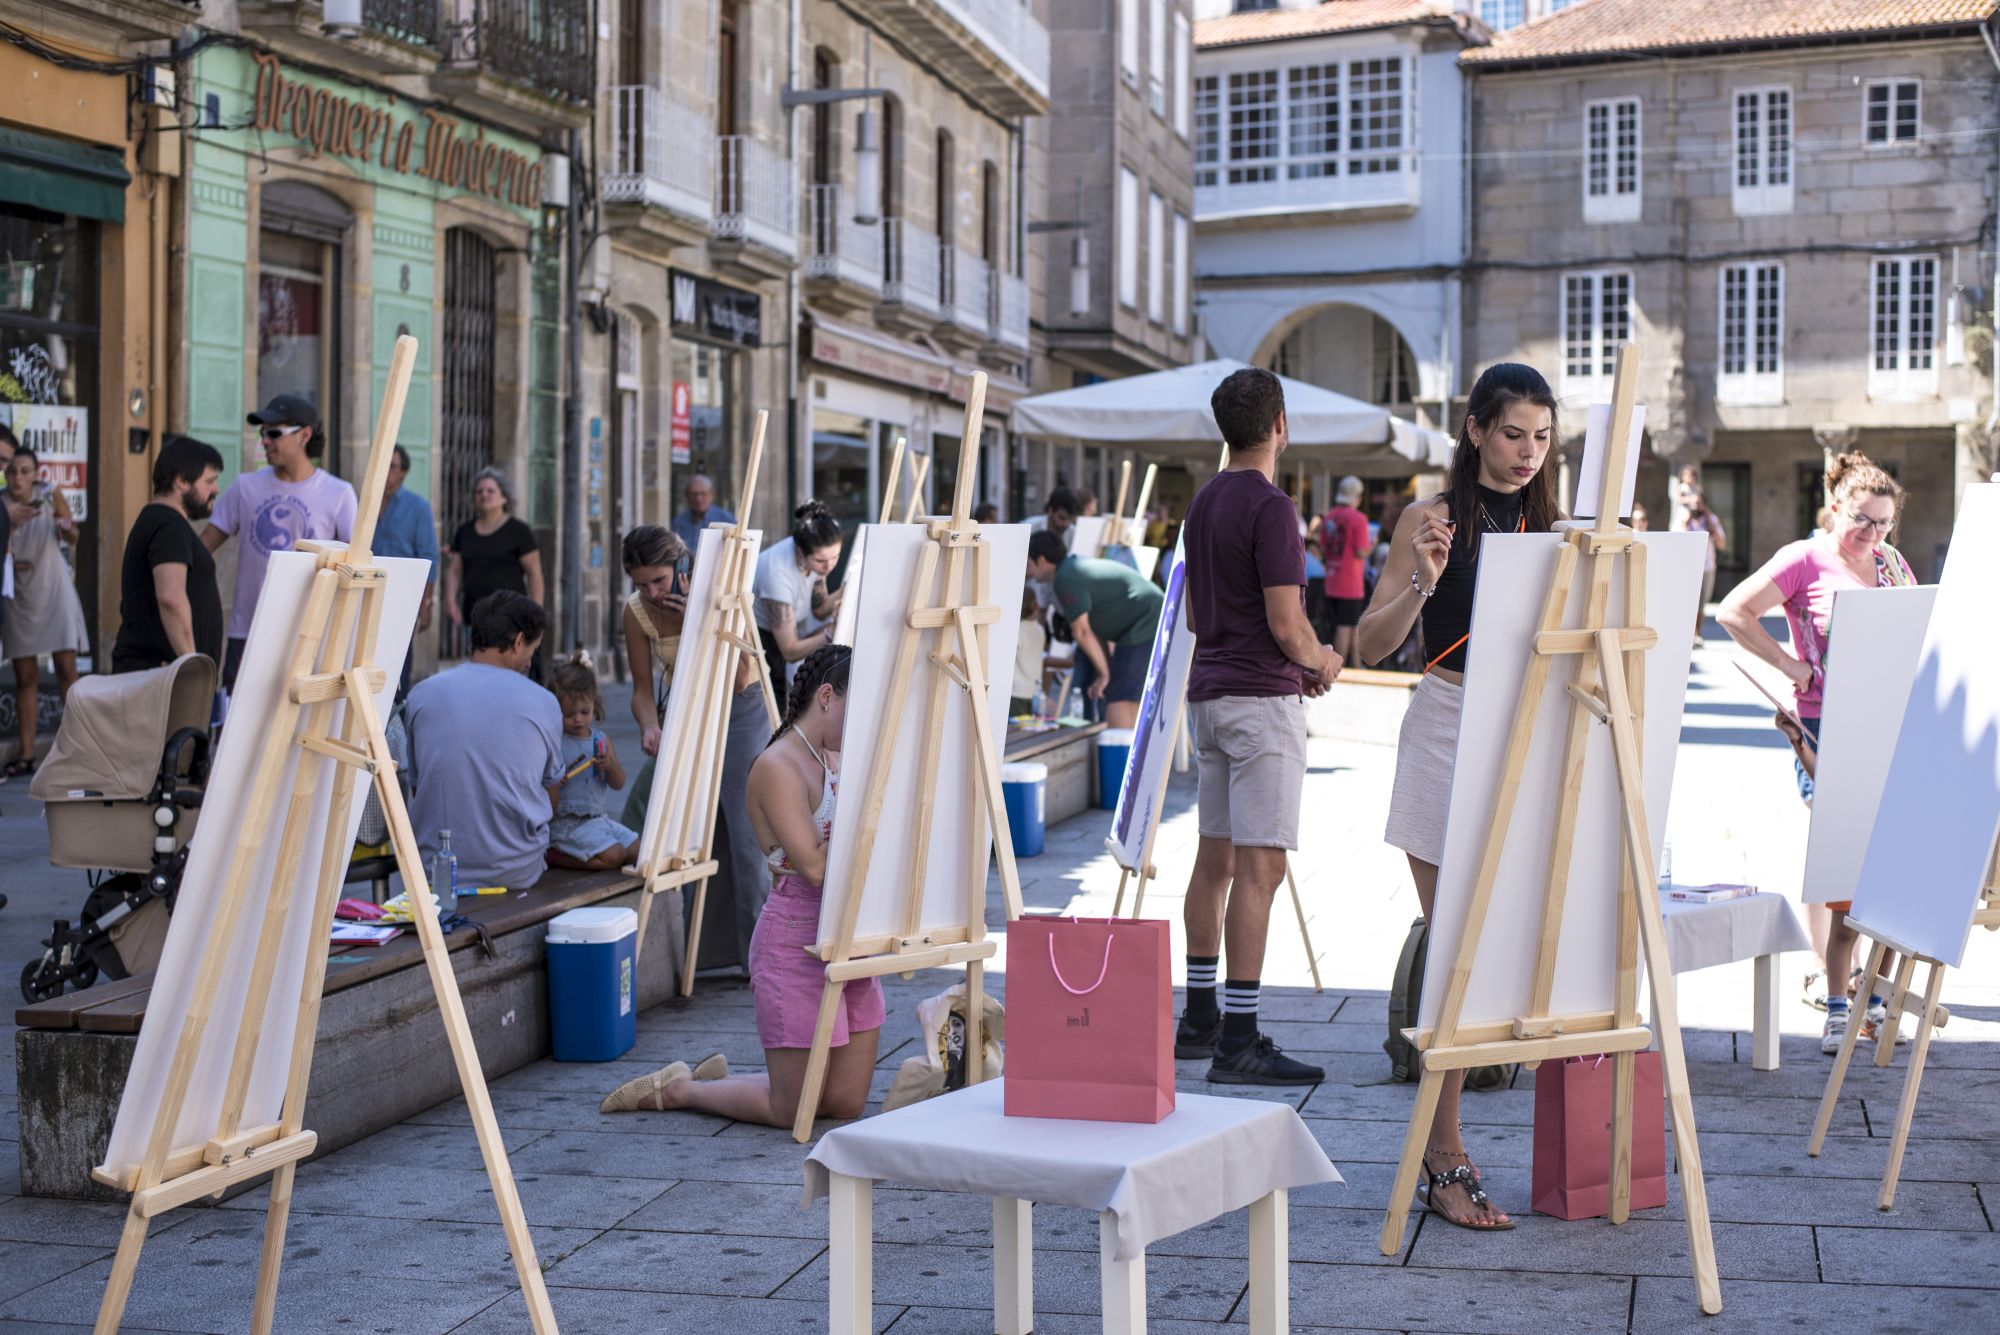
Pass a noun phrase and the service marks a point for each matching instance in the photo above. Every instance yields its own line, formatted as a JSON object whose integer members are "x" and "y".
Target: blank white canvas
{"x": 1878, "y": 635}
{"x": 1514, "y": 573}
{"x": 882, "y": 602}
{"x": 1086, "y": 535}
{"x": 1596, "y": 443}
{"x": 260, "y": 683}
{"x": 843, "y": 621}
{"x": 1933, "y": 834}
{"x": 667, "y": 833}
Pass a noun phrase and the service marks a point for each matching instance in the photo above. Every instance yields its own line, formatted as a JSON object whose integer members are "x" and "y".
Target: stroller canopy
{"x": 115, "y": 729}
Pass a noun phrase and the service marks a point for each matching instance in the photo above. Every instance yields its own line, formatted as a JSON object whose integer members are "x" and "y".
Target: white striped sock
{"x": 1202, "y": 975}
{"x": 1239, "y": 999}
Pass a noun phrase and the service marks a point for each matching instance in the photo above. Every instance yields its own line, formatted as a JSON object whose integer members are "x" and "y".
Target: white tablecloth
{"x": 1700, "y": 935}
{"x": 1211, "y": 1156}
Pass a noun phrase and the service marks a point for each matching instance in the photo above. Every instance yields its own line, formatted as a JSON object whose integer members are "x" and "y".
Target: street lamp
{"x": 341, "y": 19}
{"x": 867, "y": 144}
{"x": 1079, "y": 260}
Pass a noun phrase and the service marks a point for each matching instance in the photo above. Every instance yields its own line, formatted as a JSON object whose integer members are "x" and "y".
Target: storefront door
{"x": 465, "y": 438}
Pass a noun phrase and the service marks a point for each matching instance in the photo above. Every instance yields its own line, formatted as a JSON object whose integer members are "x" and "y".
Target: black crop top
{"x": 1447, "y": 615}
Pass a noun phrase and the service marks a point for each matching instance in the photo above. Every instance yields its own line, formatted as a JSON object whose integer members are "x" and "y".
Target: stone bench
{"x": 1071, "y": 755}
{"x": 380, "y": 1056}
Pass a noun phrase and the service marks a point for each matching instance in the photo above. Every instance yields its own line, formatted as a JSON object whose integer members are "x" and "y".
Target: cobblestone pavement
{"x": 684, "y": 1222}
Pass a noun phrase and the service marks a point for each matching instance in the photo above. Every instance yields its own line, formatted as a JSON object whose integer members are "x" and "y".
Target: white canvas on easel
{"x": 1878, "y": 636}
{"x": 261, "y": 679}
{"x": 1596, "y": 444}
{"x": 1087, "y": 534}
{"x": 1136, "y": 818}
{"x": 843, "y": 620}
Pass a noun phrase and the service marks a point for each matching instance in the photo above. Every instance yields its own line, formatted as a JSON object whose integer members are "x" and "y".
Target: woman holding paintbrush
{"x": 1802, "y": 579}
{"x": 1498, "y": 485}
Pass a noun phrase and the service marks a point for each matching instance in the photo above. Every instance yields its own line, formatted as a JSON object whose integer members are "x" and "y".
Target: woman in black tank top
{"x": 1499, "y": 484}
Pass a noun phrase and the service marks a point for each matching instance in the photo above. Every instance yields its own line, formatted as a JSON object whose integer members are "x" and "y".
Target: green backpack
{"x": 1405, "y": 995}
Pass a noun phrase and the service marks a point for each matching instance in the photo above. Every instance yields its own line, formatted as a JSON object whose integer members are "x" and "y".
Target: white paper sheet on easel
{"x": 1933, "y": 833}
{"x": 1086, "y": 535}
{"x": 677, "y": 766}
{"x": 843, "y": 621}
{"x": 882, "y": 604}
{"x": 1596, "y": 443}
{"x": 1879, "y": 635}
{"x": 1135, "y": 816}
{"x": 260, "y": 682}
{"x": 1514, "y": 570}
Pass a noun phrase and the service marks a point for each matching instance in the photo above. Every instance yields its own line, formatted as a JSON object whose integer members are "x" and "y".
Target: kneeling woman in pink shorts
{"x": 792, "y": 791}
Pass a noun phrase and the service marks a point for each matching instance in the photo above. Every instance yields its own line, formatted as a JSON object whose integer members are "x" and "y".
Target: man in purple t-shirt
{"x": 1256, "y": 658}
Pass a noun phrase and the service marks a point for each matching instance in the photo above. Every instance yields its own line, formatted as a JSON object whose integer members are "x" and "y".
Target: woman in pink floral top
{"x": 1802, "y": 578}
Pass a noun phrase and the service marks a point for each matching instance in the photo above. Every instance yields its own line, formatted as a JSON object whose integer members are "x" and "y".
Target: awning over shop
{"x": 62, "y": 177}
{"x": 1169, "y": 411}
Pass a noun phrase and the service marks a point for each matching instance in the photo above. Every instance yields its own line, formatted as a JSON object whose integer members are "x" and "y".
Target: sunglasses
{"x": 277, "y": 432}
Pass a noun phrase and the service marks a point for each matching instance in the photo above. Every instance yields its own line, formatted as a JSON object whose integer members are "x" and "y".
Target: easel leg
{"x": 1622, "y": 1068}
{"x": 1764, "y": 1025}
{"x": 1838, "y": 1075}
{"x": 694, "y": 937}
{"x": 277, "y": 1213}
{"x": 1906, "y": 1110}
{"x": 1118, "y": 904}
{"x": 1430, "y": 1088}
{"x": 124, "y": 1265}
{"x": 822, "y": 1052}
{"x": 975, "y": 1021}
{"x": 1270, "y": 1265}
{"x": 1305, "y": 934}
{"x": 1013, "y": 1266}
{"x": 850, "y": 1231}
{"x": 1123, "y": 1283}
{"x": 1906, "y": 971}
{"x": 1139, "y": 896}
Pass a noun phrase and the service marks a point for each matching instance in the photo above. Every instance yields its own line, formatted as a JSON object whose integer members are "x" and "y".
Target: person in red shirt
{"x": 1343, "y": 545}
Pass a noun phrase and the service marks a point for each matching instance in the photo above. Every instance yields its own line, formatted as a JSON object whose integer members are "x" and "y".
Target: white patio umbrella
{"x": 1169, "y": 411}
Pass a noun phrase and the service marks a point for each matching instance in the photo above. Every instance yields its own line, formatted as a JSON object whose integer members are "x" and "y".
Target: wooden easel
{"x": 696, "y": 756}
{"x": 1607, "y": 686}
{"x": 957, "y": 659}
{"x": 1114, "y": 530}
{"x": 1930, "y": 1015}
{"x": 895, "y": 474}
{"x": 346, "y": 593}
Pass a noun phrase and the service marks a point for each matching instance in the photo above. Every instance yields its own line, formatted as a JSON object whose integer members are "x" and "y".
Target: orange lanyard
{"x": 1522, "y": 527}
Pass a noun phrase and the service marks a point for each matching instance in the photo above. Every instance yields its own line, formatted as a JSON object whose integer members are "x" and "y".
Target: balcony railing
{"x": 660, "y": 152}
{"x": 543, "y": 45}
{"x": 1216, "y": 196}
{"x": 1008, "y": 310}
{"x": 1011, "y": 28}
{"x": 753, "y": 195}
{"x": 965, "y": 296}
{"x": 837, "y": 246}
{"x": 418, "y": 22}
{"x": 909, "y": 267}
{"x": 994, "y": 52}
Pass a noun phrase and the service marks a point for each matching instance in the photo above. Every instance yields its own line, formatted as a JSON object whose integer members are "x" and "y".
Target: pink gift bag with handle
{"x": 1089, "y": 1019}
{"x": 1572, "y": 1175}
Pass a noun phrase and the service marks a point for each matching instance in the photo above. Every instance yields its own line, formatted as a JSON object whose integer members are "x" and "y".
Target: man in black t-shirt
{"x": 169, "y": 604}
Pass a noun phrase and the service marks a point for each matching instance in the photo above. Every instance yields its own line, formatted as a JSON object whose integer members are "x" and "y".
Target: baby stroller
{"x": 122, "y": 790}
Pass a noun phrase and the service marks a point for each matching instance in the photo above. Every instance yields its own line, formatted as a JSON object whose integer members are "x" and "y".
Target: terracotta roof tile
{"x": 1270, "y": 25}
{"x": 1611, "y": 27}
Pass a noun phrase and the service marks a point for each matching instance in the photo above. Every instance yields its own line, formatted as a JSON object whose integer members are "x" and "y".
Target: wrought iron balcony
{"x": 1008, "y": 311}
{"x": 753, "y": 196}
{"x": 837, "y": 247}
{"x": 660, "y": 154}
{"x": 542, "y": 45}
{"x": 909, "y": 268}
{"x": 418, "y": 22}
{"x": 995, "y": 52}
{"x": 965, "y": 297}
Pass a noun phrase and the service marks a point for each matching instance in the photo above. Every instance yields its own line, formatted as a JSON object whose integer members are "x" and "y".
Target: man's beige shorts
{"x": 1252, "y": 753}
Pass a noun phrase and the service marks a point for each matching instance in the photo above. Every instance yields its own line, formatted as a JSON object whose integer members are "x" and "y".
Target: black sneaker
{"x": 1195, "y": 1044}
{"x": 1259, "y": 1062}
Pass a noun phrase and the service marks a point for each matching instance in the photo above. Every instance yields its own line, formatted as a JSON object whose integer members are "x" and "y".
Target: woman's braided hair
{"x": 825, "y": 666}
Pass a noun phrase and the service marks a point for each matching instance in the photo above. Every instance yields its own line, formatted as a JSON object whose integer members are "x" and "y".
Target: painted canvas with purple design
{"x": 1135, "y": 816}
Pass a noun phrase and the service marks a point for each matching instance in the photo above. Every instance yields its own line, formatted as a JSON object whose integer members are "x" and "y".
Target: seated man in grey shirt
{"x": 486, "y": 751}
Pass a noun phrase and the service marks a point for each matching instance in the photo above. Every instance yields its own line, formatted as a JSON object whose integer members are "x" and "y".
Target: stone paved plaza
{"x": 681, "y": 1222}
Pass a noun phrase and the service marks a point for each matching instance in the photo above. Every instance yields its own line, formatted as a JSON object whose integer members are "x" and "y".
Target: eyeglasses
{"x": 1860, "y": 520}
{"x": 277, "y": 432}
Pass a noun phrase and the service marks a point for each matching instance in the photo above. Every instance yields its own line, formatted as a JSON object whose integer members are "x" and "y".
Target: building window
{"x": 1312, "y": 95}
{"x": 826, "y": 75}
{"x": 1303, "y": 123}
{"x": 1183, "y": 70}
{"x": 1501, "y": 15}
{"x": 1902, "y": 320}
{"x": 1763, "y": 153}
{"x": 1183, "y": 271}
{"x": 1893, "y": 111}
{"x": 1156, "y": 57}
{"x": 1375, "y": 116}
{"x": 1128, "y": 237}
{"x": 1253, "y": 127}
{"x": 1156, "y": 257}
{"x": 1611, "y": 160}
{"x": 1207, "y": 128}
{"x": 947, "y": 228}
{"x": 991, "y": 246}
{"x": 1128, "y": 40}
{"x": 1394, "y": 377}
{"x": 1251, "y": 6}
{"x": 1752, "y": 334}
{"x": 1596, "y": 318}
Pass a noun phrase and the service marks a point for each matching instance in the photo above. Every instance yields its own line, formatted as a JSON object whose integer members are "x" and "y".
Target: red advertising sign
{"x": 680, "y": 441}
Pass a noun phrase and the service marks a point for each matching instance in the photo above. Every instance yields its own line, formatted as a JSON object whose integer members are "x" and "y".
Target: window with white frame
{"x": 1304, "y": 122}
{"x": 1596, "y": 318}
{"x": 1752, "y": 333}
{"x": 1763, "y": 150}
{"x": 1183, "y": 72}
{"x": 1156, "y": 257}
{"x": 1375, "y": 116}
{"x": 1207, "y": 128}
{"x": 1892, "y": 112}
{"x": 1611, "y": 160}
{"x": 1128, "y": 237}
{"x": 1500, "y": 15}
{"x": 1394, "y": 381}
{"x": 1156, "y": 57}
{"x": 1252, "y": 140}
{"x": 1903, "y": 326}
{"x": 1183, "y": 270}
{"x": 1312, "y": 120}
{"x": 1128, "y": 40}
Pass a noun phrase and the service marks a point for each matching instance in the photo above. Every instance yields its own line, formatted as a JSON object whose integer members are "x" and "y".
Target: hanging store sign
{"x": 370, "y": 127}
{"x": 60, "y": 438}
{"x": 680, "y": 442}
{"x": 716, "y": 310}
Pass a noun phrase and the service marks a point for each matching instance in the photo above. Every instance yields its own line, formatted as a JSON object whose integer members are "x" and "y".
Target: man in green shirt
{"x": 1113, "y": 611}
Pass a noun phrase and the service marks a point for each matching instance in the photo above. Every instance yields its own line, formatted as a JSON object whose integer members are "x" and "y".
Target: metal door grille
{"x": 465, "y": 443}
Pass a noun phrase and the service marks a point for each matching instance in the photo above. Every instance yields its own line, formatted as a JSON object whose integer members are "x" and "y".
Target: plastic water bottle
{"x": 444, "y": 877}
{"x": 1667, "y": 862}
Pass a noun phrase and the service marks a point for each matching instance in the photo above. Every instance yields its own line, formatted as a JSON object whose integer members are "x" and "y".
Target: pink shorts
{"x": 786, "y": 982}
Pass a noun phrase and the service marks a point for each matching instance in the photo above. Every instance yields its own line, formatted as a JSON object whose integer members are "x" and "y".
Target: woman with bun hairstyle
{"x": 1499, "y": 484}
{"x": 1802, "y": 577}
{"x": 793, "y": 788}
{"x": 791, "y": 584}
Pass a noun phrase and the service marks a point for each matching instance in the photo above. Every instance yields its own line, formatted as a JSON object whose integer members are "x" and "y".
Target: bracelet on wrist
{"x": 1417, "y": 584}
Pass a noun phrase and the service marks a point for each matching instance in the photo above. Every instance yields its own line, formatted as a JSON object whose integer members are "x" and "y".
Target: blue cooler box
{"x": 593, "y": 1004}
{"x": 1114, "y": 749}
{"x": 1025, "y": 785}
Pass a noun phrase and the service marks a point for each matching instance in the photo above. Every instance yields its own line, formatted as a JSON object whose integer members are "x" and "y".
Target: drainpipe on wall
{"x": 798, "y": 406}
{"x": 572, "y": 455}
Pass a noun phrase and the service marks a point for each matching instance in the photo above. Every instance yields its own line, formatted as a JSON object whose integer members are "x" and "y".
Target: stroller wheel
{"x": 40, "y": 982}
{"x": 86, "y": 974}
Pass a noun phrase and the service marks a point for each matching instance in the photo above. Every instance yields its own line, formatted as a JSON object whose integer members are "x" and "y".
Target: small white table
{"x": 1756, "y": 927}
{"x": 1211, "y": 1156}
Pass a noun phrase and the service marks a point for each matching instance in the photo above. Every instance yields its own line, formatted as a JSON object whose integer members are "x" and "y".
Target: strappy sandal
{"x": 641, "y": 1093}
{"x": 1464, "y": 1175}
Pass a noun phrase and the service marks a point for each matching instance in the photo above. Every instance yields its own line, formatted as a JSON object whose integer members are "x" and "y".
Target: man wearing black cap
{"x": 276, "y": 508}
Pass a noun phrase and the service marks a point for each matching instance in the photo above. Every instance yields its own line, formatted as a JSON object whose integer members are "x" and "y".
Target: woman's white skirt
{"x": 1424, "y": 752}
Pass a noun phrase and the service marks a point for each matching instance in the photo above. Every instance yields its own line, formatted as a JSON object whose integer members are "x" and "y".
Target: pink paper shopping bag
{"x": 1572, "y": 1178}
{"x": 1089, "y": 1019}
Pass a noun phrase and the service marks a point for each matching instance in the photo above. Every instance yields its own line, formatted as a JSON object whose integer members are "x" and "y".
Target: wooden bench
{"x": 380, "y": 1057}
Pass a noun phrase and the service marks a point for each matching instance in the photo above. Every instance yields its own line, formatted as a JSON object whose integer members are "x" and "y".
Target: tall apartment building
{"x": 1787, "y": 206}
